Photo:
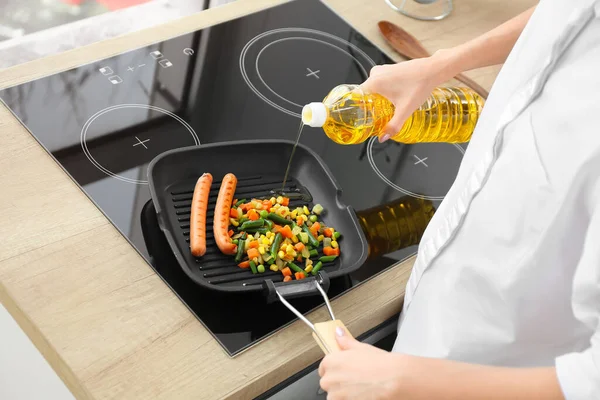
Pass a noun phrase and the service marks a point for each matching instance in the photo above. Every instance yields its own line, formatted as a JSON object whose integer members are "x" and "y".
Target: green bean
{"x": 326, "y": 259}
{"x": 276, "y": 244}
{"x": 278, "y": 219}
{"x": 316, "y": 268}
{"x": 252, "y": 224}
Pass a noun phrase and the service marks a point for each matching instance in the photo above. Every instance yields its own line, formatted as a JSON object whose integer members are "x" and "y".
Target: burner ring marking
{"x": 392, "y": 184}
{"x": 294, "y": 30}
{"x": 88, "y": 154}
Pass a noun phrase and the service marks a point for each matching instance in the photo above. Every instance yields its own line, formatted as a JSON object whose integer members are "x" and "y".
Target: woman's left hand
{"x": 360, "y": 371}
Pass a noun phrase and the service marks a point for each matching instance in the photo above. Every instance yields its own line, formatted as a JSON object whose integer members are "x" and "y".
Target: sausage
{"x": 198, "y": 215}
{"x": 221, "y": 218}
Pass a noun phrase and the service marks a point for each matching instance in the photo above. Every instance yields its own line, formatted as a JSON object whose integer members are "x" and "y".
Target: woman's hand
{"x": 407, "y": 85}
{"x": 360, "y": 371}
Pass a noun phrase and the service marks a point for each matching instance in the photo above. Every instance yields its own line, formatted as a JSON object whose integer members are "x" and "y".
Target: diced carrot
{"x": 253, "y": 253}
{"x": 276, "y": 228}
{"x": 234, "y": 201}
{"x": 299, "y": 258}
{"x": 328, "y": 232}
{"x": 244, "y": 264}
{"x": 253, "y": 244}
{"x": 299, "y": 275}
{"x": 287, "y": 278}
{"x": 267, "y": 204}
{"x": 299, "y": 221}
{"x": 330, "y": 251}
{"x": 299, "y": 246}
{"x": 230, "y": 233}
{"x": 286, "y": 271}
{"x": 233, "y": 213}
{"x": 253, "y": 215}
{"x": 315, "y": 228}
{"x": 285, "y": 202}
{"x": 327, "y": 251}
{"x": 286, "y": 232}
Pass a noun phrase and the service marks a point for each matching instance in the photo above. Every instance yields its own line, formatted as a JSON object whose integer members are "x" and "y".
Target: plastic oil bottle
{"x": 395, "y": 225}
{"x": 350, "y": 116}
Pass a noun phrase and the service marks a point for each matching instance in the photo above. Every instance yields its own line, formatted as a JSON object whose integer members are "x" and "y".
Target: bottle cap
{"x": 314, "y": 115}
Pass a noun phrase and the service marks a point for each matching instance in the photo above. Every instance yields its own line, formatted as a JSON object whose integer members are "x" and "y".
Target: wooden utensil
{"x": 409, "y": 47}
{"x": 323, "y": 332}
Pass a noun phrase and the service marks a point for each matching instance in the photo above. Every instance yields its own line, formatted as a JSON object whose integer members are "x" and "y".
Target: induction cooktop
{"x": 247, "y": 78}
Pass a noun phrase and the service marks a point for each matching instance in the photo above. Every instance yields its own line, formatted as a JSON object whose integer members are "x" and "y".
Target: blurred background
{"x": 31, "y": 29}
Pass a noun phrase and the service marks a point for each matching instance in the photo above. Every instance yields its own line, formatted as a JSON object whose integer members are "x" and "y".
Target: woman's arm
{"x": 461, "y": 381}
{"x": 362, "y": 371}
{"x": 491, "y": 48}
{"x": 408, "y": 84}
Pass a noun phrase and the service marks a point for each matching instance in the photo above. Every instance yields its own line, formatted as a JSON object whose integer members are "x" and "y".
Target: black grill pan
{"x": 259, "y": 167}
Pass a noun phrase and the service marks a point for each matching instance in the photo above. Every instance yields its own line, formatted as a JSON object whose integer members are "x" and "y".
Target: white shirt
{"x": 508, "y": 270}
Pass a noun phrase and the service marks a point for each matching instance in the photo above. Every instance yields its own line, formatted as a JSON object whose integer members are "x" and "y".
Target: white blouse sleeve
{"x": 578, "y": 373}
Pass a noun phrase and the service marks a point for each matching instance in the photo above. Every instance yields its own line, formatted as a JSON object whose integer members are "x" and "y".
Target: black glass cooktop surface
{"x": 244, "y": 79}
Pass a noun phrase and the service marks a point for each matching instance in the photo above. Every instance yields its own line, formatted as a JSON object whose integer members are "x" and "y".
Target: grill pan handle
{"x": 292, "y": 290}
{"x": 323, "y": 332}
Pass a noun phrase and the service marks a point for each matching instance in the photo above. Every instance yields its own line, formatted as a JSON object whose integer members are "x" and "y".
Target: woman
{"x": 504, "y": 299}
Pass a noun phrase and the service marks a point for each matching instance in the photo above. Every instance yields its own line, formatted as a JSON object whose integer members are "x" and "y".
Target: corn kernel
{"x": 261, "y": 249}
{"x": 305, "y": 209}
{"x": 234, "y": 222}
{"x": 294, "y": 214}
{"x": 309, "y": 268}
{"x": 295, "y": 239}
{"x": 320, "y": 238}
{"x": 294, "y": 254}
{"x": 279, "y": 200}
{"x": 305, "y": 218}
{"x": 273, "y": 200}
{"x": 271, "y": 239}
{"x": 334, "y": 244}
{"x": 281, "y": 254}
{"x": 255, "y": 259}
{"x": 290, "y": 250}
{"x": 274, "y": 268}
{"x": 259, "y": 206}
{"x": 265, "y": 241}
{"x": 272, "y": 209}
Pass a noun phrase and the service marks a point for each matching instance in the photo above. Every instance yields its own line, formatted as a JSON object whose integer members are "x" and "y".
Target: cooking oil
{"x": 350, "y": 116}
{"x": 395, "y": 225}
{"x": 287, "y": 170}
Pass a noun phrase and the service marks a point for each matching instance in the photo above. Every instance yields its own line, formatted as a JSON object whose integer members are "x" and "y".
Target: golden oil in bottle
{"x": 350, "y": 116}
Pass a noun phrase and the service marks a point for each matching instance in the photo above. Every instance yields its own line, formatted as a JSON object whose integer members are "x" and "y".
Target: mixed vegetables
{"x": 268, "y": 234}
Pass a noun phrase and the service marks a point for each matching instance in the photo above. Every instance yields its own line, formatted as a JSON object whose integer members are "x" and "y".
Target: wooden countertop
{"x": 103, "y": 319}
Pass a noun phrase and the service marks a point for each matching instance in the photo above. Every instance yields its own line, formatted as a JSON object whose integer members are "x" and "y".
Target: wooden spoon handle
{"x": 326, "y": 331}
{"x": 473, "y": 85}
